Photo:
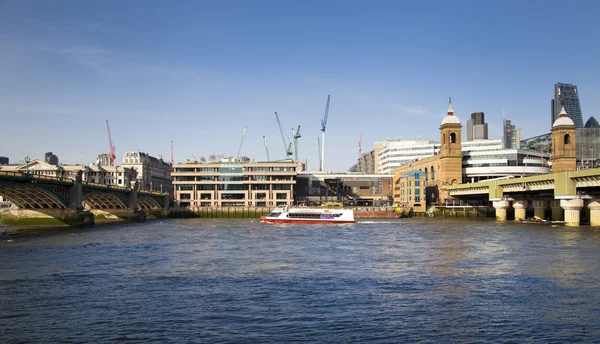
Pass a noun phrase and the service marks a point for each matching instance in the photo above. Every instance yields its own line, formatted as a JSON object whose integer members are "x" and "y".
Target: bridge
{"x": 565, "y": 196}
{"x": 46, "y": 199}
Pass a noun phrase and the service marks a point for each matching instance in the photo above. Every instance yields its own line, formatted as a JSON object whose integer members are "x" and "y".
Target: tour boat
{"x": 283, "y": 214}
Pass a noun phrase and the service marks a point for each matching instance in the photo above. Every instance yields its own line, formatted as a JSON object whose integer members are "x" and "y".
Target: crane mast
{"x": 241, "y": 143}
{"x": 323, "y": 127}
{"x": 360, "y": 146}
{"x": 286, "y": 147}
{"x": 266, "y": 149}
{"x": 319, "y": 147}
{"x": 111, "y": 147}
{"x": 296, "y": 137}
{"x": 172, "y": 160}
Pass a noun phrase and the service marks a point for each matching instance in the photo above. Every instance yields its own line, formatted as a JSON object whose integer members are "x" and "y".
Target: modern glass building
{"x": 394, "y": 153}
{"x": 566, "y": 94}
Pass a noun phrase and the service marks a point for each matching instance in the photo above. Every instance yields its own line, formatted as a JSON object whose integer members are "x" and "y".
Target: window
{"x": 567, "y": 139}
{"x": 452, "y": 137}
{"x": 281, "y": 196}
{"x": 185, "y": 196}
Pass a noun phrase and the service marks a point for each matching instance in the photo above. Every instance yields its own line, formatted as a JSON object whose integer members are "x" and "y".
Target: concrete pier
{"x": 572, "y": 209}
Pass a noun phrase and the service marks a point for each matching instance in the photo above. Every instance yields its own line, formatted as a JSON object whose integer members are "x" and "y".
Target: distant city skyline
{"x": 197, "y": 73}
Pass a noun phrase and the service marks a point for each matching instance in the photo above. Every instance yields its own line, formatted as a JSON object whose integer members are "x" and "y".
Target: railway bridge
{"x": 562, "y": 196}
{"x": 43, "y": 199}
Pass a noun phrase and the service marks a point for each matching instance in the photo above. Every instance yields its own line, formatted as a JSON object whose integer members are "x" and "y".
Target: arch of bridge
{"x": 27, "y": 196}
{"x": 104, "y": 200}
{"x": 148, "y": 203}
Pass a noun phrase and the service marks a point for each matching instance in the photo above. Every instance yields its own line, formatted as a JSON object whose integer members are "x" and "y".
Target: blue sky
{"x": 197, "y": 72}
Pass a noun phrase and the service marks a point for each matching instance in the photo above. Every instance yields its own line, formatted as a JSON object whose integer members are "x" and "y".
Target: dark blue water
{"x": 227, "y": 281}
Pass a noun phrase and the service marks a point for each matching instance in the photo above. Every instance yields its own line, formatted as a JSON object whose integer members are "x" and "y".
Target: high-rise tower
{"x": 477, "y": 129}
{"x": 566, "y": 95}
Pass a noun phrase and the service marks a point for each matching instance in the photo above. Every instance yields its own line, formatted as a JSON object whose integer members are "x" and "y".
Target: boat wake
{"x": 371, "y": 222}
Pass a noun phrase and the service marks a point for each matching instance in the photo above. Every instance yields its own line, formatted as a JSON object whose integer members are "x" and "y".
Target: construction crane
{"x": 323, "y": 127}
{"x": 286, "y": 147}
{"x": 319, "y": 152}
{"x": 241, "y": 143}
{"x": 360, "y": 145}
{"x": 111, "y": 147}
{"x": 296, "y": 136}
{"x": 266, "y": 149}
{"x": 172, "y": 161}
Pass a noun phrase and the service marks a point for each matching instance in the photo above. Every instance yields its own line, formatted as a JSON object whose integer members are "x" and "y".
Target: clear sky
{"x": 197, "y": 72}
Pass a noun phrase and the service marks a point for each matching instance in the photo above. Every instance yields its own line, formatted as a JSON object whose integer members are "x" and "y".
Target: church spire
{"x": 450, "y": 110}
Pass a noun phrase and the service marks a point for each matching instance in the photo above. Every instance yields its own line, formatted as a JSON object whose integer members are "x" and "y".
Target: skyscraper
{"x": 566, "y": 94}
{"x": 512, "y": 136}
{"x": 477, "y": 129}
{"x": 50, "y": 158}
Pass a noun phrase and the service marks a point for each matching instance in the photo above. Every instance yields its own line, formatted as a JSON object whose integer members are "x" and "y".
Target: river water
{"x": 222, "y": 281}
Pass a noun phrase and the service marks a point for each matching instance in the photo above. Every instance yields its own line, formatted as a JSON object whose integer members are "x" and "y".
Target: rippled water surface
{"x": 242, "y": 281}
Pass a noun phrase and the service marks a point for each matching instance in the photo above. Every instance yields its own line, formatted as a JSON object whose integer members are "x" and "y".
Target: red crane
{"x": 111, "y": 147}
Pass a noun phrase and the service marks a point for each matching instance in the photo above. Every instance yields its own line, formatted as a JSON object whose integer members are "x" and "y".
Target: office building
{"x": 566, "y": 95}
{"x": 511, "y": 135}
{"x": 477, "y": 129}
{"x": 391, "y": 154}
{"x": 50, "y": 158}
{"x": 153, "y": 173}
{"x": 235, "y": 184}
{"x": 4, "y": 160}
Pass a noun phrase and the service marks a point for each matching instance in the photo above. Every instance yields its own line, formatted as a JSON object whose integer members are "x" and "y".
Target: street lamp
{"x": 27, "y": 160}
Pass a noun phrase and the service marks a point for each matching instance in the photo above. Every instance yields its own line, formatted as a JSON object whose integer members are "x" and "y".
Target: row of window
{"x": 232, "y": 178}
{"x": 235, "y": 169}
{"x": 232, "y": 187}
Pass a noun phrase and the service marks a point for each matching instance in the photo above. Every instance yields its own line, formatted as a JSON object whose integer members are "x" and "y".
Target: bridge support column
{"x": 572, "y": 209}
{"x": 76, "y": 196}
{"x": 519, "y": 209}
{"x": 500, "y": 207}
{"x": 132, "y": 200}
{"x": 539, "y": 208}
{"x": 557, "y": 211}
{"x": 594, "y": 213}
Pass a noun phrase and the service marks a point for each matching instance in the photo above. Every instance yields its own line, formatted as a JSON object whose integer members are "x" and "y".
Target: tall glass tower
{"x": 566, "y": 94}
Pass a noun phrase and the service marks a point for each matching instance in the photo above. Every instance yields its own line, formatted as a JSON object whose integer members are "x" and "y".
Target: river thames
{"x": 222, "y": 281}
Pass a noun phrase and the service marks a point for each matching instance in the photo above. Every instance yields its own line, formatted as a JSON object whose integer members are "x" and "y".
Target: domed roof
{"x": 563, "y": 119}
{"x": 591, "y": 123}
{"x": 450, "y": 118}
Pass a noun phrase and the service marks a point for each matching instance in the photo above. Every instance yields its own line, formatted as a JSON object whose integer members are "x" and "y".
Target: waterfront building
{"x": 111, "y": 175}
{"x": 235, "y": 184}
{"x": 4, "y": 160}
{"x": 477, "y": 129}
{"x": 511, "y": 135}
{"x": 152, "y": 172}
{"x": 409, "y": 190}
{"x": 471, "y": 161}
{"x": 444, "y": 168}
{"x": 50, "y": 158}
{"x": 350, "y": 189}
{"x": 566, "y": 95}
{"x": 391, "y": 154}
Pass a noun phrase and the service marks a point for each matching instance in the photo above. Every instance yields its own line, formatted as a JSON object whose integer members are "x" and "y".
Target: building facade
{"x": 110, "y": 175}
{"x": 50, "y": 158}
{"x": 511, "y": 135}
{"x": 409, "y": 190}
{"x": 391, "y": 154}
{"x": 349, "y": 189}
{"x": 235, "y": 184}
{"x": 477, "y": 129}
{"x": 153, "y": 173}
{"x": 4, "y": 160}
{"x": 566, "y": 95}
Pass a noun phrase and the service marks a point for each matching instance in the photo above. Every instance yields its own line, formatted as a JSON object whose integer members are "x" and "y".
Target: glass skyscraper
{"x": 566, "y": 94}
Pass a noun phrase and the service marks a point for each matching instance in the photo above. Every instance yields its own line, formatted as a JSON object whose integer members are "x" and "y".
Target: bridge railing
{"x": 35, "y": 176}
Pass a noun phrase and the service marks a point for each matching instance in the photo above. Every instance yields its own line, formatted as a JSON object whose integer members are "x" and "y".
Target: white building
{"x": 152, "y": 173}
{"x": 113, "y": 175}
{"x": 390, "y": 154}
